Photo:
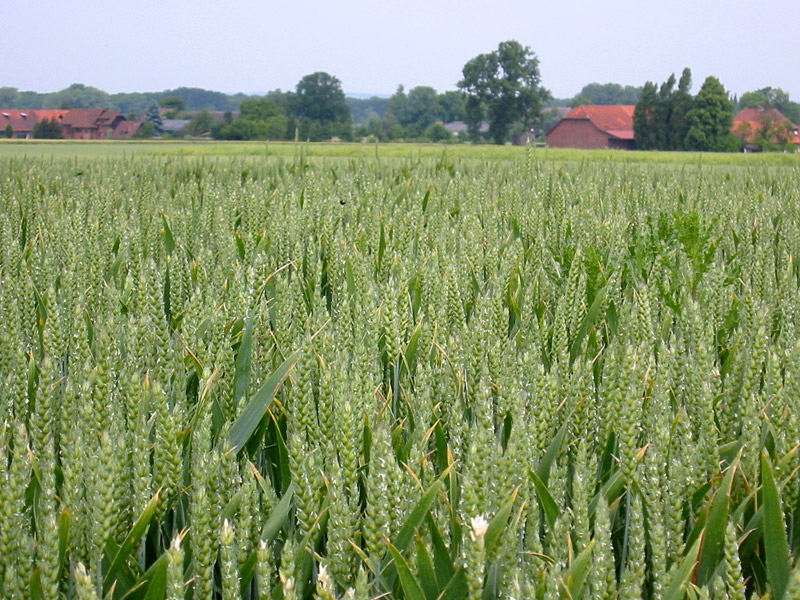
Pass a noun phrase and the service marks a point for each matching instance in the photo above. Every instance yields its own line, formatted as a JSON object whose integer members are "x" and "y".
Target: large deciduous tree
{"x": 414, "y": 112}
{"x": 320, "y": 107}
{"x": 503, "y": 86}
{"x": 710, "y": 119}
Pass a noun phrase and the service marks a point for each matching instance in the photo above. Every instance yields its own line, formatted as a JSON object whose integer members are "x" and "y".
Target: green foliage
{"x": 259, "y": 119}
{"x": 670, "y": 119}
{"x": 608, "y": 94}
{"x": 9, "y": 131}
{"x": 147, "y": 130}
{"x": 645, "y": 123}
{"x": 363, "y": 110}
{"x": 319, "y": 108}
{"x": 438, "y": 133}
{"x": 452, "y": 106}
{"x": 259, "y": 110}
{"x": 78, "y": 95}
{"x": 420, "y": 108}
{"x": 201, "y": 123}
{"x": 9, "y": 96}
{"x": 661, "y": 118}
{"x": 49, "y": 129}
{"x": 710, "y": 120}
{"x": 175, "y": 103}
{"x": 579, "y": 100}
{"x": 153, "y": 117}
{"x": 504, "y": 87}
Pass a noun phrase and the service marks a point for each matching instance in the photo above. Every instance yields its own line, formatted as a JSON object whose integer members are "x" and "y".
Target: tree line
{"x": 79, "y": 95}
{"x": 670, "y": 118}
{"x": 500, "y": 95}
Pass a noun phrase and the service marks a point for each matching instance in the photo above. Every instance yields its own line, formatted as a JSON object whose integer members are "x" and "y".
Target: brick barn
{"x": 594, "y": 127}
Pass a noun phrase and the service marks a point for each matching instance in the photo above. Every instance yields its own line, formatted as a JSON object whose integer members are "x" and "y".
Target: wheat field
{"x": 431, "y": 377}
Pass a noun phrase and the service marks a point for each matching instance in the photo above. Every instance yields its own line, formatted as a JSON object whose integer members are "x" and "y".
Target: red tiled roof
{"x": 104, "y": 116}
{"x": 616, "y": 121}
{"x": 78, "y": 118}
{"x": 747, "y": 123}
{"x": 623, "y": 134}
{"x": 127, "y": 129}
{"x": 58, "y": 115}
{"x": 758, "y": 114}
{"x": 21, "y": 121}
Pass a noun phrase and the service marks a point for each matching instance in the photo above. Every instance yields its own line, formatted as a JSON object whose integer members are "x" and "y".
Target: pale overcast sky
{"x": 372, "y": 46}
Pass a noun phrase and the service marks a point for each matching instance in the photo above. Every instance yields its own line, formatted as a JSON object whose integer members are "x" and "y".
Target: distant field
{"x": 70, "y": 149}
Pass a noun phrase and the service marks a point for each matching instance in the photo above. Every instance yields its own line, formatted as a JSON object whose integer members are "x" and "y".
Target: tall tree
{"x": 710, "y": 119}
{"x": 47, "y": 129}
{"x": 504, "y": 85}
{"x": 153, "y": 116}
{"x": 423, "y": 106}
{"x": 397, "y": 108}
{"x": 320, "y": 107}
{"x": 319, "y": 97}
{"x": 452, "y": 106}
{"x": 645, "y": 130}
{"x": 681, "y": 105}
{"x": 663, "y": 115}
{"x": 659, "y": 122}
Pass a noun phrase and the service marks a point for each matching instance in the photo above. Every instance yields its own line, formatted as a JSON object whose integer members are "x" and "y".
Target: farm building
{"x": 459, "y": 127}
{"x": 90, "y": 123}
{"x": 21, "y": 123}
{"x": 757, "y": 126}
{"x": 77, "y": 123}
{"x": 594, "y": 127}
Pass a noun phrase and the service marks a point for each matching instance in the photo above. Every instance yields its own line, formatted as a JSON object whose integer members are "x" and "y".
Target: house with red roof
{"x": 759, "y": 127}
{"x": 90, "y": 123}
{"x": 77, "y": 123}
{"x": 126, "y": 129}
{"x": 21, "y": 122}
{"x": 594, "y": 127}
